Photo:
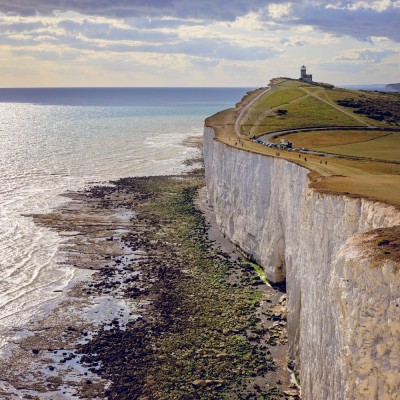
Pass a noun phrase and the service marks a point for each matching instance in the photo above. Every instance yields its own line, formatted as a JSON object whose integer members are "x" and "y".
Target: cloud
{"x": 108, "y": 31}
{"x": 205, "y": 9}
{"x": 204, "y": 62}
{"x": 238, "y": 40}
{"x": 8, "y": 27}
{"x": 162, "y": 22}
{"x": 50, "y": 54}
{"x": 362, "y": 20}
{"x": 292, "y": 42}
{"x": 365, "y": 56}
{"x": 207, "y": 48}
{"x": 112, "y": 35}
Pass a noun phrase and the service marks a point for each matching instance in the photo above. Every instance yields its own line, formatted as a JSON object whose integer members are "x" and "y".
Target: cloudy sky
{"x": 196, "y": 42}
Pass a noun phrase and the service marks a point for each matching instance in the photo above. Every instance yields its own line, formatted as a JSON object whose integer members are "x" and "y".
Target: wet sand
{"x": 167, "y": 308}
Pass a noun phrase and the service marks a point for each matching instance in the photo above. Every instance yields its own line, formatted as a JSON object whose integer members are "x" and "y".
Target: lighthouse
{"x": 303, "y": 75}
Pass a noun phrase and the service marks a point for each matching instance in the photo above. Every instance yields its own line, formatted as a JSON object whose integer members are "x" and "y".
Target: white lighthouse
{"x": 303, "y": 75}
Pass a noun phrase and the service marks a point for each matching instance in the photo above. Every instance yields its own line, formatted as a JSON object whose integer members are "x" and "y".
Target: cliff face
{"x": 343, "y": 310}
{"x": 393, "y": 87}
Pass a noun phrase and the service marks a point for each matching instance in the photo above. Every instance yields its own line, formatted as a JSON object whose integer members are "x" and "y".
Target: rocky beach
{"x": 166, "y": 308}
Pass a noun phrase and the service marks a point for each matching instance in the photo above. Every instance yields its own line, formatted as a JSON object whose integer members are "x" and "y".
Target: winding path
{"x": 266, "y": 137}
{"x": 244, "y": 110}
{"x": 339, "y": 109}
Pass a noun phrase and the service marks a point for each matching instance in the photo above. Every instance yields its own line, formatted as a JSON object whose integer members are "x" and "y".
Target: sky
{"x": 74, "y": 43}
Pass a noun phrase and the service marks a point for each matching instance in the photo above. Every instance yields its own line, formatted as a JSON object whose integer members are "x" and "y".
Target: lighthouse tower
{"x": 303, "y": 75}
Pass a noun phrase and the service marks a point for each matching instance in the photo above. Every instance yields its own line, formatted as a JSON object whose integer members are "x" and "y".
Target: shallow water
{"x": 58, "y": 140}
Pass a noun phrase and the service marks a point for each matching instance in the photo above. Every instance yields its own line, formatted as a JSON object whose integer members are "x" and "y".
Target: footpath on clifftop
{"x": 317, "y": 121}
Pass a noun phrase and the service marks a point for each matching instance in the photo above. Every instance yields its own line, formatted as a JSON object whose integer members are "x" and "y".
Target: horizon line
{"x": 173, "y": 87}
{"x": 131, "y": 87}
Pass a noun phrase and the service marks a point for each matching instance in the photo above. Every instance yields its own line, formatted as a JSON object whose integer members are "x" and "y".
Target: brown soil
{"x": 385, "y": 246}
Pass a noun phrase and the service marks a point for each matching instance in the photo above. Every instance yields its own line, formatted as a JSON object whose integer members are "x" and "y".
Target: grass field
{"x": 359, "y": 178}
{"x": 307, "y": 112}
{"x": 380, "y": 109}
{"x": 383, "y": 148}
{"x": 277, "y": 99}
{"x": 380, "y": 145}
{"x": 322, "y": 139}
{"x": 302, "y": 110}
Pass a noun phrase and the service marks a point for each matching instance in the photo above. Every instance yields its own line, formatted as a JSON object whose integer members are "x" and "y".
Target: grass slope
{"x": 358, "y": 178}
{"x": 324, "y": 139}
{"x": 305, "y": 106}
{"x": 383, "y": 148}
{"x": 307, "y": 112}
{"x": 381, "y": 109}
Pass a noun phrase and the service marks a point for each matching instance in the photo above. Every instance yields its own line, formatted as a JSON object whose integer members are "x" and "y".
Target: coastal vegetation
{"x": 378, "y": 107}
{"x": 385, "y": 148}
{"x": 209, "y": 330}
{"x": 372, "y": 144}
{"x": 364, "y": 162}
{"x": 318, "y": 139}
{"x": 178, "y": 312}
{"x": 303, "y": 109}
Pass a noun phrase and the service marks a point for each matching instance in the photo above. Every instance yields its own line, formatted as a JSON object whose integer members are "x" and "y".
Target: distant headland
{"x": 393, "y": 87}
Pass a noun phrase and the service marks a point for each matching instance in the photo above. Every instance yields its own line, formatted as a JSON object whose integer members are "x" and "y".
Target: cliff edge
{"x": 393, "y": 87}
{"x": 343, "y": 299}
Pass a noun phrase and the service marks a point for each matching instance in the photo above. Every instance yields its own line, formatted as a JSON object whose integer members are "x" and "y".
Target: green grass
{"x": 260, "y": 272}
{"x": 209, "y": 328}
{"x": 384, "y": 148}
{"x": 359, "y": 178}
{"x": 324, "y": 139}
{"x": 278, "y": 98}
{"x": 371, "y": 104}
{"x": 307, "y": 112}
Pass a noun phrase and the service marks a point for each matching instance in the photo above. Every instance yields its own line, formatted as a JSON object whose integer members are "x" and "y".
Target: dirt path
{"x": 330, "y": 103}
{"x": 271, "y": 112}
{"x": 244, "y": 111}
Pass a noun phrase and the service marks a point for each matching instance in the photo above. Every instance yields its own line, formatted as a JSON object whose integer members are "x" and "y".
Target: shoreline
{"x": 49, "y": 283}
{"x": 139, "y": 293}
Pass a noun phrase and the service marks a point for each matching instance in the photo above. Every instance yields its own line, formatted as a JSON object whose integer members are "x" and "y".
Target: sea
{"x": 56, "y": 140}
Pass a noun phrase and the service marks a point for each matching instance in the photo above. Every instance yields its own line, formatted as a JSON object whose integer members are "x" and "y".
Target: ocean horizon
{"x": 97, "y": 96}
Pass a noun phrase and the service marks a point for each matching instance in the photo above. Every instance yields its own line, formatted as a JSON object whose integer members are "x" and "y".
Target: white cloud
{"x": 250, "y": 22}
{"x": 278, "y": 11}
{"x": 380, "y": 5}
{"x": 254, "y": 41}
{"x": 365, "y": 56}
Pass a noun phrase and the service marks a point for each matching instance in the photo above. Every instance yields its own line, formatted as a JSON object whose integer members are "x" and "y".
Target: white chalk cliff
{"x": 343, "y": 308}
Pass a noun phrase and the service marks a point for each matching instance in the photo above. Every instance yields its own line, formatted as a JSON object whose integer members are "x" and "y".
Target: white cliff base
{"x": 343, "y": 310}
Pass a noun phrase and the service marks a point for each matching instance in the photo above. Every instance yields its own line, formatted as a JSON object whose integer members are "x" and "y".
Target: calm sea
{"x": 56, "y": 140}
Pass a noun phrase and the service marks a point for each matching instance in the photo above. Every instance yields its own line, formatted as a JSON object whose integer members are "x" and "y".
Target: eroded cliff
{"x": 343, "y": 306}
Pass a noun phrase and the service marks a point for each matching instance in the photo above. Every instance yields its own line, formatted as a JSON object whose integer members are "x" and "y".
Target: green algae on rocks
{"x": 202, "y": 338}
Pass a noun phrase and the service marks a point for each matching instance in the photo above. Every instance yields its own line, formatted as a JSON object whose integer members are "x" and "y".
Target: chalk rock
{"x": 343, "y": 316}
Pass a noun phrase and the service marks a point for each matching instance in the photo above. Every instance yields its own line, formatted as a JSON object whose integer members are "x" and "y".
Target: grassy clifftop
{"x": 360, "y": 162}
{"x": 294, "y": 104}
